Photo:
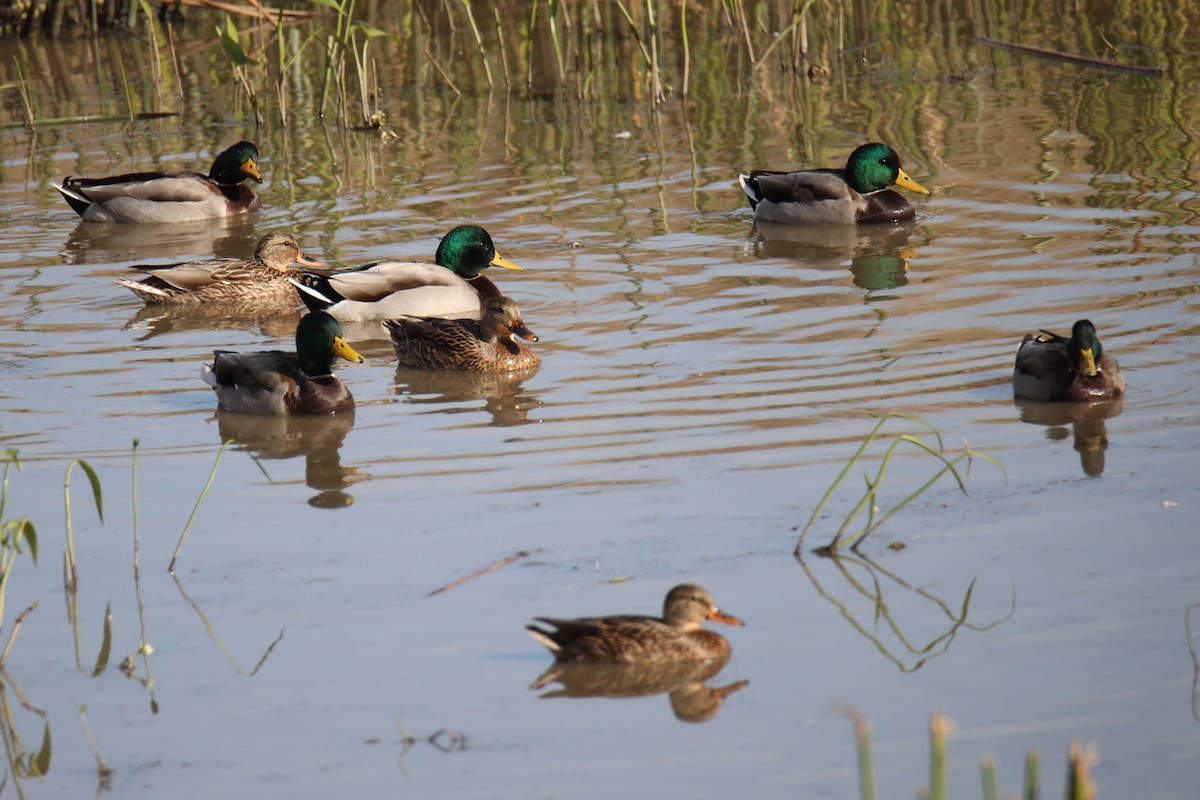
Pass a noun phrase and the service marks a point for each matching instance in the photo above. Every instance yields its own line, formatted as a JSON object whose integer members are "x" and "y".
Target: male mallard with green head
{"x": 486, "y": 345}
{"x": 452, "y": 286}
{"x": 1053, "y": 367}
{"x": 263, "y": 280}
{"x": 676, "y": 636}
{"x": 275, "y": 382}
{"x": 183, "y": 196}
{"x": 856, "y": 195}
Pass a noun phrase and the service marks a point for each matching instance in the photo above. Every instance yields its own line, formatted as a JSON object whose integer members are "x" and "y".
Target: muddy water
{"x": 703, "y": 382}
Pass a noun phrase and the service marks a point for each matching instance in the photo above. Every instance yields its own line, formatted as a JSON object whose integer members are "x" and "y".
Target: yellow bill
{"x": 905, "y": 182}
{"x": 504, "y": 263}
{"x": 346, "y": 351}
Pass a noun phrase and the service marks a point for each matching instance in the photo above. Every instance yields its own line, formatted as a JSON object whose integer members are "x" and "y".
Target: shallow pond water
{"x": 703, "y": 382}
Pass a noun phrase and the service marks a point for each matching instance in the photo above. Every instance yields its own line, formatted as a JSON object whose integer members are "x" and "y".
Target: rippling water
{"x": 703, "y": 382}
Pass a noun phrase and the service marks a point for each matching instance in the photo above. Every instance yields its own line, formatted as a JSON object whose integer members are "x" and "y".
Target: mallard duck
{"x": 1053, "y": 367}
{"x": 175, "y": 197}
{"x": 485, "y": 345}
{"x": 677, "y": 636}
{"x": 263, "y": 281}
{"x": 450, "y": 287}
{"x": 857, "y": 194}
{"x": 275, "y": 382}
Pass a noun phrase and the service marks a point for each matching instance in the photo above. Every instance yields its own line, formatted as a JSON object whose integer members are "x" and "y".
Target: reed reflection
{"x": 501, "y": 392}
{"x": 866, "y": 580}
{"x": 685, "y": 683}
{"x": 318, "y": 438}
{"x": 1087, "y": 426}
{"x": 878, "y": 255}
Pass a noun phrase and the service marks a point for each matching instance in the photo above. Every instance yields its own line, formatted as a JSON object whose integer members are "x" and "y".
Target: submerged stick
{"x": 504, "y": 562}
{"x": 1086, "y": 61}
{"x": 12, "y": 637}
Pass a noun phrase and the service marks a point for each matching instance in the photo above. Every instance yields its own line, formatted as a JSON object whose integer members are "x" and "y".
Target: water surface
{"x": 703, "y": 382}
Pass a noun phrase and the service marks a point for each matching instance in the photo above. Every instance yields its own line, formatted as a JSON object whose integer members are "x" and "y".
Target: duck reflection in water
{"x": 500, "y": 392}
{"x": 634, "y": 656}
{"x": 1086, "y": 421}
{"x": 155, "y": 320}
{"x": 877, "y": 255}
{"x": 89, "y": 243}
{"x": 318, "y": 439}
{"x": 684, "y": 681}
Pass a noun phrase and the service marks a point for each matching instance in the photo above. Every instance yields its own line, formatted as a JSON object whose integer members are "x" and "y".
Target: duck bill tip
{"x": 716, "y": 615}
{"x": 504, "y": 263}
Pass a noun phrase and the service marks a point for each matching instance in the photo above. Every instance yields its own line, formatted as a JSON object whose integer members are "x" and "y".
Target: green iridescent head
{"x": 1084, "y": 349}
{"x": 467, "y": 250}
{"x": 236, "y": 164}
{"x": 318, "y": 340}
{"x": 876, "y": 166}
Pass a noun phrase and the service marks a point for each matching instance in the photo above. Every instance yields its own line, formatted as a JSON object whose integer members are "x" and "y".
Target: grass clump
{"x": 1079, "y": 783}
{"x": 949, "y": 465}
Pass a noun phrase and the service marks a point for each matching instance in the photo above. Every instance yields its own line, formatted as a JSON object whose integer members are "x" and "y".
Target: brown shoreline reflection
{"x": 878, "y": 254}
{"x": 1086, "y": 421}
{"x": 317, "y": 438}
{"x": 500, "y": 391}
{"x": 692, "y": 700}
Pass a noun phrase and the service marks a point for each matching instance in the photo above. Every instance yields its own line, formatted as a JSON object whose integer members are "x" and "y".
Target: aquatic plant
{"x": 13, "y": 533}
{"x": 868, "y": 501}
{"x": 1079, "y": 785}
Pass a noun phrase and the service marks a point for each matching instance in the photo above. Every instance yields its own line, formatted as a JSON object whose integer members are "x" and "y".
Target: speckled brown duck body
{"x": 262, "y": 281}
{"x": 486, "y": 345}
{"x": 676, "y": 636}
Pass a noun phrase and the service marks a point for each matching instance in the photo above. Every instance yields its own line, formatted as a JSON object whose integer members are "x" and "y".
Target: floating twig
{"x": 504, "y": 562}
{"x": 1087, "y": 61}
{"x": 12, "y": 637}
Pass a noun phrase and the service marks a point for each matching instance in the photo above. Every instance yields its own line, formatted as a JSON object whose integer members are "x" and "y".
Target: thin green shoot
{"x": 1033, "y": 779}
{"x": 987, "y": 773}
{"x": 196, "y": 509}
{"x": 862, "y": 738}
{"x": 98, "y": 496}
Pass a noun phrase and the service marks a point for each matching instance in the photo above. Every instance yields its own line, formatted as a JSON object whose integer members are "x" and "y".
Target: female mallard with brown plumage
{"x": 183, "y": 196}
{"x": 275, "y": 382}
{"x": 1053, "y": 367}
{"x": 676, "y": 636}
{"x": 486, "y": 345}
{"x": 451, "y": 286}
{"x": 856, "y": 195}
{"x": 263, "y": 280}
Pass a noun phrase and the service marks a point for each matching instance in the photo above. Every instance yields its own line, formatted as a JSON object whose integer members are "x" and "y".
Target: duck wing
{"x": 158, "y": 187}
{"x": 804, "y": 186}
{"x": 620, "y": 638}
{"x": 192, "y": 275}
{"x": 390, "y": 289}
